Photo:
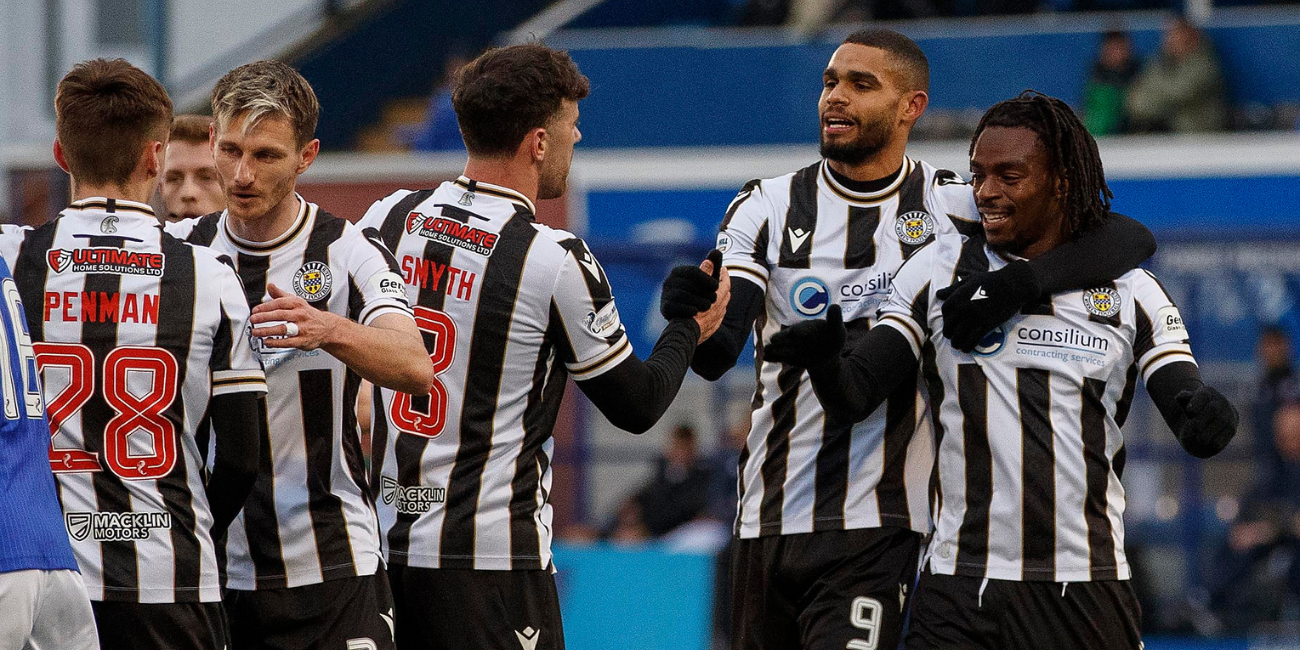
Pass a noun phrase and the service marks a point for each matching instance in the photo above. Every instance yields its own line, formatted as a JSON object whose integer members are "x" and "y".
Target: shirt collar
{"x": 112, "y": 206}
{"x": 478, "y": 187}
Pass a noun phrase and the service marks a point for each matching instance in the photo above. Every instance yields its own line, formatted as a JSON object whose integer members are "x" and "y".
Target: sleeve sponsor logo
{"x": 1104, "y": 302}
{"x": 452, "y": 232}
{"x": 115, "y": 526}
{"x": 313, "y": 281}
{"x": 389, "y": 284}
{"x": 1170, "y": 323}
{"x": 914, "y": 227}
{"x": 410, "y": 500}
{"x": 105, "y": 259}
{"x": 604, "y": 322}
{"x": 724, "y": 242}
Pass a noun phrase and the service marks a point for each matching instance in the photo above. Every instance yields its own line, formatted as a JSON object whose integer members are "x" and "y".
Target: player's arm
{"x": 745, "y": 257}
{"x": 1202, "y": 419}
{"x": 1096, "y": 257}
{"x": 237, "y": 408}
{"x": 633, "y": 393}
{"x": 382, "y": 345}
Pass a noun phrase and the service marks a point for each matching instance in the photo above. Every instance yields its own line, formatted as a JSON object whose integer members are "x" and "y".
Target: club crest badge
{"x": 109, "y": 225}
{"x": 914, "y": 227}
{"x": 313, "y": 281}
{"x": 1103, "y": 301}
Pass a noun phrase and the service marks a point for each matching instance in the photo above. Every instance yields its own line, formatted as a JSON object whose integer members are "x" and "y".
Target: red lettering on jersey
{"x": 150, "y": 308}
{"x": 107, "y": 307}
{"x": 51, "y": 302}
{"x": 130, "y": 309}
{"x": 100, "y": 307}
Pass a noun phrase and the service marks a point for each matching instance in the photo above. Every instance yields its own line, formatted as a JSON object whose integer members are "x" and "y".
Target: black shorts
{"x": 347, "y": 614}
{"x": 829, "y": 590}
{"x": 949, "y": 612}
{"x": 467, "y": 609}
{"x": 160, "y": 626}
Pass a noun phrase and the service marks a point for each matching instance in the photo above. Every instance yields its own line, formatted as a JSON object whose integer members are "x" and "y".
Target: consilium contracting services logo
{"x": 414, "y": 500}
{"x": 115, "y": 526}
{"x": 1103, "y": 301}
{"x": 313, "y": 281}
{"x": 810, "y": 297}
{"x": 105, "y": 259}
{"x": 914, "y": 227}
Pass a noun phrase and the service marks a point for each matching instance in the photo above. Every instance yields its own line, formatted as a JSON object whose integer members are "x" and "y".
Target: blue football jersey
{"x": 32, "y": 534}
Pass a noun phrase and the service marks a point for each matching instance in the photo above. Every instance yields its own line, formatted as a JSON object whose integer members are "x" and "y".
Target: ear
{"x": 539, "y": 143}
{"x": 913, "y": 105}
{"x": 309, "y": 154}
{"x": 59, "y": 156}
{"x": 154, "y": 156}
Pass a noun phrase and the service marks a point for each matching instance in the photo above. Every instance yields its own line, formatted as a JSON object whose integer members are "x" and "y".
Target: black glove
{"x": 1211, "y": 421}
{"x": 975, "y": 306}
{"x": 688, "y": 290}
{"x": 809, "y": 344}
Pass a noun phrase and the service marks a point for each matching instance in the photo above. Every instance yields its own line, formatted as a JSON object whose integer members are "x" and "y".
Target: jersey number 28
{"x": 402, "y": 413}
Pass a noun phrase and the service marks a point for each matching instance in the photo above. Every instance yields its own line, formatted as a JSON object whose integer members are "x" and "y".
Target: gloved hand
{"x": 809, "y": 344}
{"x": 688, "y": 290}
{"x": 979, "y": 303}
{"x": 1211, "y": 421}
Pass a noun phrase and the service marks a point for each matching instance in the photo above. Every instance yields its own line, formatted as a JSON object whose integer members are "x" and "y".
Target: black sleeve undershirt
{"x": 719, "y": 353}
{"x": 1097, "y": 256}
{"x": 239, "y": 426}
{"x": 1164, "y": 386}
{"x": 856, "y": 383}
{"x": 634, "y": 394}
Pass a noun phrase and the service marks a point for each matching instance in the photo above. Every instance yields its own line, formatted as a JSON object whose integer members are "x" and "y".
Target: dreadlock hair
{"x": 1071, "y": 151}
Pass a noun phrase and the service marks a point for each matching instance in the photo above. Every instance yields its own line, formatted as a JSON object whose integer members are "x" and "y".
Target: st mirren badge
{"x": 109, "y": 225}
{"x": 313, "y": 281}
{"x": 466, "y": 199}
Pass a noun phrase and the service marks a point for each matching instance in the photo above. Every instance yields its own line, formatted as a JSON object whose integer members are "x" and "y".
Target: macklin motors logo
{"x": 115, "y": 526}
{"x": 413, "y": 500}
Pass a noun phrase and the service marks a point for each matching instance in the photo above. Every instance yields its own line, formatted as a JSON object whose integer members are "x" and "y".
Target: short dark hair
{"x": 902, "y": 49}
{"x": 191, "y": 128}
{"x": 268, "y": 88}
{"x": 507, "y": 92}
{"x": 106, "y": 112}
{"x": 1071, "y": 152}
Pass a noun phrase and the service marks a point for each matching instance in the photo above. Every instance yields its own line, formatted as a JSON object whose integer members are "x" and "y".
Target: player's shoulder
{"x": 951, "y": 198}
{"x": 379, "y": 211}
{"x": 202, "y": 230}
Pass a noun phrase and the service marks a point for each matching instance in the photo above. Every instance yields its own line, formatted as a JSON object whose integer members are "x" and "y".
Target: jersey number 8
{"x": 132, "y": 413}
{"x": 442, "y": 350}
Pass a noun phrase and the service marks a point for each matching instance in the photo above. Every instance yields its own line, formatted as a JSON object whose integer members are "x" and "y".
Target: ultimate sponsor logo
{"x": 452, "y": 232}
{"x": 103, "y": 259}
{"x": 413, "y": 500}
{"x": 1169, "y": 323}
{"x": 604, "y": 322}
{"x": 1102, "y": 302}
{"x": 914, "y": 227}
{"x": 810, "y": 297}
{"x": 313, "y": 281}
{"x": 115, "y": 526}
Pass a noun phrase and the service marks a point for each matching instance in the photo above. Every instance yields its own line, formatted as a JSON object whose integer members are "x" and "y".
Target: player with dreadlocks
{"x": 1028, "y": 547}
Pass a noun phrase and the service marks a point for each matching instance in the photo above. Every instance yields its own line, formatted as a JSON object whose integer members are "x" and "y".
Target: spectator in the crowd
{"x": 679, "y": 490}
{"x": 440, "y": 131}
{"x": 1276, "y": 372}
{"x": 1256, "y": 571}
{"x": 1106, "y": 92}
{"x": 1181, "y": 89}
{"x": 726, "y": 466}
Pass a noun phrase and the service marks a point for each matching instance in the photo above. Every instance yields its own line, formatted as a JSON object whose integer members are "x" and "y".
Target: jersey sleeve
{"x": 957, "y": 197}
{"x": 11, "y": 240}
{"x": 743, "y": 236}
{"x": 1161, "y": 337}
{"x": 235, "y": 367}
{"x": 373, "y": 271}
{"x": 378, "y": 211}
{"x": 585, "y": 324}
{"x": 180, "y": 229}
{"x": 908, "y": 307}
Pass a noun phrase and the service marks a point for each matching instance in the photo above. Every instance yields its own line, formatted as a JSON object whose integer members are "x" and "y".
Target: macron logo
{"x": 797, "y": 237}
{"x": 528, "y": 638}
{"x": 588, "y": 262}
{"x": 979, "y": 294}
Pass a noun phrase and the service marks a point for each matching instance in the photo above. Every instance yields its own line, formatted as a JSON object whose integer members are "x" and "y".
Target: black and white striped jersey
{"x": 809, "y": 242}
{"x": 134, "y": 332}
{"x": 507, "y": 306}
{"x": 309, "y": 518}
{"x": 1030, "y": 451}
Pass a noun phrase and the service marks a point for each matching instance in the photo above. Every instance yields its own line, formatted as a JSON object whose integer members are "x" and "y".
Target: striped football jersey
{"x": 1029, "y": 446}
{"x": 808, "y": 241}
{"x": 134, "y": 332}
{"x": 309, "y": 518}
{"x": 508, "y": 307}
